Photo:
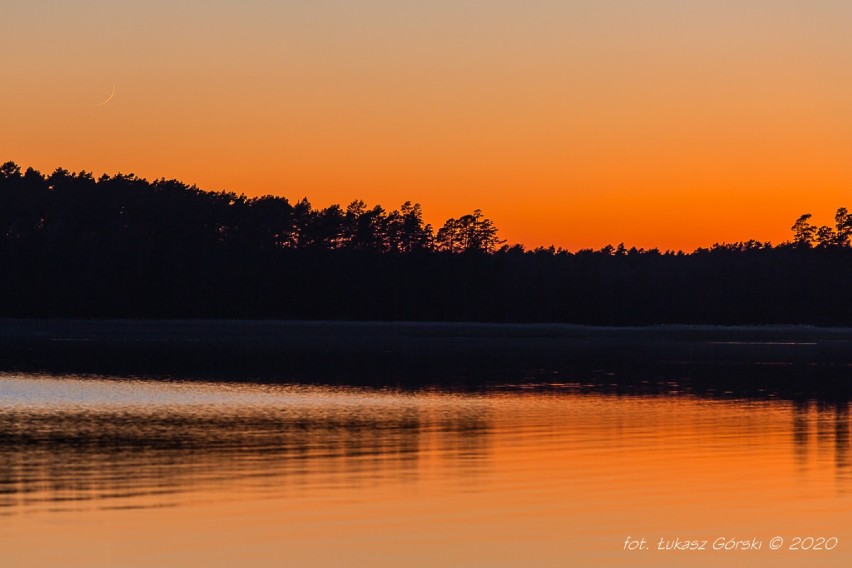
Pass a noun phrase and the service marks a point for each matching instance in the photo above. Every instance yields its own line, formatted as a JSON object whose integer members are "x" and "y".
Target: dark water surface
{"x": 504, "y": 463}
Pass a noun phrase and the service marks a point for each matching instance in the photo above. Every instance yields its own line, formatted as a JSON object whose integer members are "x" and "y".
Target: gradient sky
{"x": 667, "y": 123}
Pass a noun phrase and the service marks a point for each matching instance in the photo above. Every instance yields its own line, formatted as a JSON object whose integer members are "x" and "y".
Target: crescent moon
{"x": 109, "y": 98}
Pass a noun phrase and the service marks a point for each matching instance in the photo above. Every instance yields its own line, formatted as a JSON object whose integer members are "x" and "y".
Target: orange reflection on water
{"x": 220, "y": 475}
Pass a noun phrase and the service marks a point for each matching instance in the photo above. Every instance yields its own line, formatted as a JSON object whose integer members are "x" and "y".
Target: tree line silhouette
{"x": 72, "y": 245}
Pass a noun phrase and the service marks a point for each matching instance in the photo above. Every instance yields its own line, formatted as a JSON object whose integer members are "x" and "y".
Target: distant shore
{"x": 753, "y": 358}
{"x": 73, "y": 246}
{"x": 383, "y": 337}
{"x": 198, "y": 329}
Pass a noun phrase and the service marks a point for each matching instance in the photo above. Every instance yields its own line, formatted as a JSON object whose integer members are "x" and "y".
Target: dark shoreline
{"x": 21, "y": 327}
{"x": 786, "y": 361}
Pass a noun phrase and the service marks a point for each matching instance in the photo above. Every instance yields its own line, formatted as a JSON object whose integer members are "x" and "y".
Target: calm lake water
{"x": 106, "y": 471}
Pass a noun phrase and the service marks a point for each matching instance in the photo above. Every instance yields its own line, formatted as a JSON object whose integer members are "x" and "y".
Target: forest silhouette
{"x": 72, "y": 245}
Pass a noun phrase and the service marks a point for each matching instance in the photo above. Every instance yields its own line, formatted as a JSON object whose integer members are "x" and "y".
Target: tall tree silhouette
{"x": 471, "y": 232}
{"x": 803, "y": 231}
{"x": 843, "y": 227}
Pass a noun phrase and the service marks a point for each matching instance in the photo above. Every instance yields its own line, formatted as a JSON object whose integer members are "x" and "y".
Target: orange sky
{"x": 667, "y": 123}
